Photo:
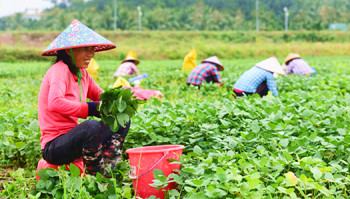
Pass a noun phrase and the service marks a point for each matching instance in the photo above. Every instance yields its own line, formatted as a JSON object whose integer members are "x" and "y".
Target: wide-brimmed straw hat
{"x": 216, "y": 61}
{"x": 271, "y": 64}
{"x": 131, "y": 58}
{"x": 291, "y": 56}
{"x": 78, "y": 35}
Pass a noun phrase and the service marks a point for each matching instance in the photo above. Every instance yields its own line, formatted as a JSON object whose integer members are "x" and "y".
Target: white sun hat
{"x": 215, "y": 60}
{"x": 271, "y": 64}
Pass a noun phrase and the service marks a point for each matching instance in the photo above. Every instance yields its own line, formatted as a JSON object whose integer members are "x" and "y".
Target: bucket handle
{"x": 135, "y": 177}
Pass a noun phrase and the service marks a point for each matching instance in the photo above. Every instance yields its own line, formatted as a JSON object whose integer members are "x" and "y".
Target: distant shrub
{"x": 313, "y": 37}
{"x": 175, "y": 44}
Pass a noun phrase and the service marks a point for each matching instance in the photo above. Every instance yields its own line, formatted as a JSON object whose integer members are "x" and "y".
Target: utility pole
{"x": 286, "y": 14}
{"x": 115, "y": 15}
{"x": 140, "y": 14}
{"x": 257, "y": 15}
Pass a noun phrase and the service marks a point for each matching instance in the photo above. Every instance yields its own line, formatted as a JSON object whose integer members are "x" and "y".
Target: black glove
{"x": 93, "y": 109}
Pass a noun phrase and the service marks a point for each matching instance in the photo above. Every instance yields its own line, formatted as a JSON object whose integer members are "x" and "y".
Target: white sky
{"x": 9, "y": 7}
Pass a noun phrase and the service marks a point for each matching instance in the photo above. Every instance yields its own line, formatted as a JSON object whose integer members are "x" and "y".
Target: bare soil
{"x": 7, "y": 39}
{"x": 27, "y": 39}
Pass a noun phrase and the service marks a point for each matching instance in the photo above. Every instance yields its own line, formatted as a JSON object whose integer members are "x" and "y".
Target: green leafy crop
{"x": 117, "y": 107}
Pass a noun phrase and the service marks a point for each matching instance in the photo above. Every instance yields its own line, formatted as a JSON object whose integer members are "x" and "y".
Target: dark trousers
{"x": 87, "y": 135}
{"x": 262, "y": 90}
{"x": 208, "y": 79}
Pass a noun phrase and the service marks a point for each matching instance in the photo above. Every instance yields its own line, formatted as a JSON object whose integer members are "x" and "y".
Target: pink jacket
{"x": 59, "y": 104}
{"x": 126, "y": 68}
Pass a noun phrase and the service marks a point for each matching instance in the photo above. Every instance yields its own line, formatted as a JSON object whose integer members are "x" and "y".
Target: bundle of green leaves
{"x": 117, "y": 106}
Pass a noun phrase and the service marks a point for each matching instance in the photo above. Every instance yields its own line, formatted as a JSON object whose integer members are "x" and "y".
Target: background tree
{"x": 187, "y": 15}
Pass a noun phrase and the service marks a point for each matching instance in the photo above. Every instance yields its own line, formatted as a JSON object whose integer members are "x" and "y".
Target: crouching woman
{"x": 62, "y": 101}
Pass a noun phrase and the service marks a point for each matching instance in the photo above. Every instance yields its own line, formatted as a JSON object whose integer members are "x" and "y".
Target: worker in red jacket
{"x": 63, "y": 96}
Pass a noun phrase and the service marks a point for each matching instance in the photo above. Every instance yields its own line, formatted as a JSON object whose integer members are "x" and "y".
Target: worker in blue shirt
{"x": 259, "y": 79}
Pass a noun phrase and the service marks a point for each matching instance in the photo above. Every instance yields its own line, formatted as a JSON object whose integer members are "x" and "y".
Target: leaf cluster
{"x": 67, "y": 184}
{"x": 117, "y": 106}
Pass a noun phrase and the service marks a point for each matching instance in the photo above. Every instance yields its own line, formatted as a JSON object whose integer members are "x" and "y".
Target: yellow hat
{"x": 291, "y": 56}
{"x": 93, "y": 68}
{"x": 131, "y": 56}
{"x": 190, "y": 61}
{"x": 121, "y": 82}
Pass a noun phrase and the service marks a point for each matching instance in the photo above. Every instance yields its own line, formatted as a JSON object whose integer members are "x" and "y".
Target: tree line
{"x": 187, "y": 15}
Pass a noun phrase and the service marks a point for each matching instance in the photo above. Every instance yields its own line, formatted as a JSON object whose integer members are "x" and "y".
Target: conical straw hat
{"x": 271, "y": 64}
{"x": 215, "y": 60}
{"x": 131, "y": 58}
{"x": 78, "y": 35}
{"x": 291, "y": 56}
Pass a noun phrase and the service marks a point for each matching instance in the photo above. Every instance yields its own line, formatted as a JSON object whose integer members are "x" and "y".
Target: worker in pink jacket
{"x": 293, "y": 64}
{"x": 128, "y": 66}
{"x": 63, "y": 100}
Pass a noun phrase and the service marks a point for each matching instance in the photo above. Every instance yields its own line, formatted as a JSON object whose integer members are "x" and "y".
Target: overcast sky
{"x": 9, "y": 7}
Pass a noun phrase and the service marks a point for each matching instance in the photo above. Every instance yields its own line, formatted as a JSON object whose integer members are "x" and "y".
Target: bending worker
{"x": 207, "y": 71}
{"x": 128, "y": 66}
{"x": 296, "y": 65}
{"x": 259, "y": 79}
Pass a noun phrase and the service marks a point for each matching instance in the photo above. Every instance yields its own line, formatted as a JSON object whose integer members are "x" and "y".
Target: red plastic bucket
{"x": 144, "y": 160}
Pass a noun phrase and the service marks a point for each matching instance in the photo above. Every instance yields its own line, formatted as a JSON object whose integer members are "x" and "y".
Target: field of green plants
{"x": 296, "y": 145}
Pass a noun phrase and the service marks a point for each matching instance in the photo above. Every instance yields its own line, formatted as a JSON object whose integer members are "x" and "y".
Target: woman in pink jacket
{"x": 62, "y": 101}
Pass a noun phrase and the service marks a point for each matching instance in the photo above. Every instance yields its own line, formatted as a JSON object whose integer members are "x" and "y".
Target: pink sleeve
{"x": 289, "y": 68}
{"x": 135, "y": 69}
{"x": 57, "y": 101}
